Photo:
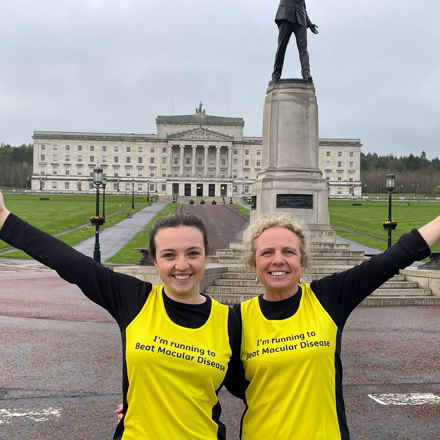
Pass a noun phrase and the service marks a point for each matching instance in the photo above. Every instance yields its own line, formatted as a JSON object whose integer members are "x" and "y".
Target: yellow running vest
{"x": 174, "y": 373}
{"x": 290, "y": 365}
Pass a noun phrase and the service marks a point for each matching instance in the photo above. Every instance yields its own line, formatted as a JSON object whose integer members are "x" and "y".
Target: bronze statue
{"x": 292, "y": 17}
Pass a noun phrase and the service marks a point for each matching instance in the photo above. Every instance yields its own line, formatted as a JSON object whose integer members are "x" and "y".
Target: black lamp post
{"x": 132, "y": 195}
{"x": 97, "y": 220}
{"x": 104, "y": 184}
{"x": 148, "y": 191}
{"x": 389, "y": 225}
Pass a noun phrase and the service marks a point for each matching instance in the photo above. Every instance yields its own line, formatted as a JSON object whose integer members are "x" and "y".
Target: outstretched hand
{"x": 314, "y": 28}
{"x": 3, "y": 211}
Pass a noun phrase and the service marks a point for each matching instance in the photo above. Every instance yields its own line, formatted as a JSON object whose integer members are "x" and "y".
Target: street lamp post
{"x": 97, "y": 220}
{"x": 389, "y": 225}
{"x": 132, "y": 195}
{"x": 104, "y": 184}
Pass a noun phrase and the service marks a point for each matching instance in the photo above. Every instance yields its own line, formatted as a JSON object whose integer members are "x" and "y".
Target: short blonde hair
{"x": 279, "y": 221}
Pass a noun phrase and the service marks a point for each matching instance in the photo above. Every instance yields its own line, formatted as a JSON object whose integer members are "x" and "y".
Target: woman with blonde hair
{"x": 291, "y": 374}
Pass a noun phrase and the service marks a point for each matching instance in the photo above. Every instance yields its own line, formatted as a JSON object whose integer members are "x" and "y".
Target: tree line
{"x": 15, "y": 165}
{"x": 414, "y": 174}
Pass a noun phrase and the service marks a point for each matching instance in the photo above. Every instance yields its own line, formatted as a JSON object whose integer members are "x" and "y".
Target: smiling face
{"x": 278, "y": 262}
{"x": 180, "y": 261}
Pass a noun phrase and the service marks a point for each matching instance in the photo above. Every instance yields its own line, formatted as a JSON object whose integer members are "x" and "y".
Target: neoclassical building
{"x": 197, "y": 156}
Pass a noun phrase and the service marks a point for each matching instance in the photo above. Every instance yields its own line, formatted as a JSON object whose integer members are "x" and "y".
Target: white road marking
{"x": 406, "y": 399}
{"x": 36, "y": 415}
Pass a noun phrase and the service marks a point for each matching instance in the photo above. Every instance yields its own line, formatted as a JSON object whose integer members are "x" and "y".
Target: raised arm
{"x": 340, "y": 293}
{"x": 120, "y": 294}
{"x": 3, "y": 211}
{"x": 431, "y": 232}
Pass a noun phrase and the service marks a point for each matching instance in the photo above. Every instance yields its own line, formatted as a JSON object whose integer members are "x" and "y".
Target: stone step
{"x": 251, "y": 276}
{"x": 396, "y": 301}
{"x": 393, "y": 284}
{"x": 241, "y": 246}
{"x": 331, "y": 269}
{"x": 329, "y": 246}
{"x": 228, "y": 253}
{"x": 312, "y": 252}
{"x": 402, "y": 292}
{"x": 257, "y": 289}
{"x": 315, "y": 261}
{"x": 250, "y": 282}
{"x": 371, "y": 301}
{"x": 235, "y": 290}
{"x": 318, "y": 251}
{"x": 336, "y": 246}
{"x": 331, "y": 259}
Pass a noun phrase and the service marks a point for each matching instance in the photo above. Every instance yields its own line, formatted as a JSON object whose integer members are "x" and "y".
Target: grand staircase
{"x": 237, "y": 283}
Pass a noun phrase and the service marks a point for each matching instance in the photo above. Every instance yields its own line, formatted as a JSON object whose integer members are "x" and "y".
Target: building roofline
{"x": 199, "y": 119}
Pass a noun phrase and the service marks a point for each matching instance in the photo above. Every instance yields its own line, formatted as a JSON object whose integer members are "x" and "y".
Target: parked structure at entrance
{"x": 197, "y": 155}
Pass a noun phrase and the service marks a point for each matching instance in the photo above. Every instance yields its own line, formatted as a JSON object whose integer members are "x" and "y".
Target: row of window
{"x": 79, "y": 158}
{"x": 340, "y": 153}
{"x": 128, "y": 149}
{"x": 329, "y": 163}
{"x": 128, "y": 187}
{"x": 140, "y": 173}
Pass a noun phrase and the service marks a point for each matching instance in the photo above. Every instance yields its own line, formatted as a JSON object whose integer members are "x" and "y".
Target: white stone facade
{"x": 195, "y": 156}
{"x": 340, "y": 163}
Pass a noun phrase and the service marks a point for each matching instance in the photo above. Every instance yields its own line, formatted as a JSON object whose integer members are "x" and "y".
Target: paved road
{"x": 224, "y": 224}
{"x": 60, "y": 365}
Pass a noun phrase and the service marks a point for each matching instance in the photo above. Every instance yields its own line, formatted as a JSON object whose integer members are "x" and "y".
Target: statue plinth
{"x": 291, "y": 182}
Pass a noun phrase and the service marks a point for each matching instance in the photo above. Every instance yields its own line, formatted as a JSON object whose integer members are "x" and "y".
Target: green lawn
{"x": 240, "y": 208}
{"x": 128, "y": 254}
{"x": 366, "y": 220}
{"x": 369, "y": 217}
{"x": 62, "y": 212}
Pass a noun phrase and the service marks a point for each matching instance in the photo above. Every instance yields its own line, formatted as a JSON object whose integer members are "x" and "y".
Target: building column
{"x": 217, "y": 162}
{"x": 194, "y": 150}
{"x": 182, "y": 149}
{"x": 206, "y": 160}
{"x": 230, "y": 161}
{"x": 170, "y": 162}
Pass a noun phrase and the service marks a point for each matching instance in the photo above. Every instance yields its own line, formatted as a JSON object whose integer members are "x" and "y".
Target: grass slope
{"x": 63, "y": 212}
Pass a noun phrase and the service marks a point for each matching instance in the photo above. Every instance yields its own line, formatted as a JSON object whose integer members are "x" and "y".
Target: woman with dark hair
{"x": 177, "y": 343}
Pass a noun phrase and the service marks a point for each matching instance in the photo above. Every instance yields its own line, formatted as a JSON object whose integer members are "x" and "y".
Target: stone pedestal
{"x": 291, "y": 182}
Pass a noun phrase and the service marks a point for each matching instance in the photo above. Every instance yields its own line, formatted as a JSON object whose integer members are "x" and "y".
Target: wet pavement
{"x": 60, "y": 366}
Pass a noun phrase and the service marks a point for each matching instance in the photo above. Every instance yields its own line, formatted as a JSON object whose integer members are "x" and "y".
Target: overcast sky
{"x": 113, "y": 66}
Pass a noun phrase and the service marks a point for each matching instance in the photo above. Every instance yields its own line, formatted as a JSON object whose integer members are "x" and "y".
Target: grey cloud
{"x": 114, "y": 66}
